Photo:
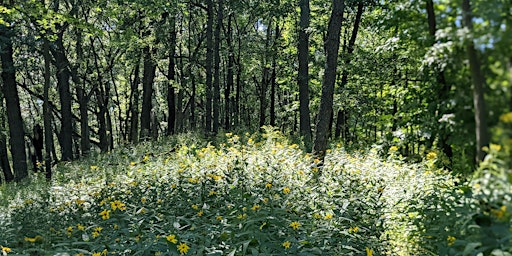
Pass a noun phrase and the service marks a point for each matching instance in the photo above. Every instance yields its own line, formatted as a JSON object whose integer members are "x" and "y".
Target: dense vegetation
{"x": 304, "y": 127}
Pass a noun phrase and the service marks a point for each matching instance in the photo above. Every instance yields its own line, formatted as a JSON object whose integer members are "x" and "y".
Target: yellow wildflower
{"x": 286, "y": 190}
{"x": 353, "y": 229}
{"x": 132, "y": 163}
{"x": 317, "y": 216}
{"x": 96, "y": 254}
{"x": 94, "y": 167}
{"x": 200, "y": 213}
{"x": 6, "y": 249}
{"x": 143, "y": 200}
{"x": 295, "y": 225}
{"x": 171, "y": 239}
{"x": 506, "y": 118}
{"x": 219, "y": 218}
{"x": 393, "y": 149}
{"x": 451, "y": 240}
{"x": 118, "y": 205}
{"x": 431, "y": 155}
{"x": 499, "y": 213}
{"x": 105, "y": 214}
{"x": 212, "y": 193}
{"x": 195, "y": 207}
{"x": 80, "y": 227}
{"x": 287, "y": 244}
{"x": 255, "y": 207}
{"x": 104, "y": 252}
{"x": 268, "y": 185}
{"x": 495, "y": 147}
{"x": 369, "y": 252}
{"x": 35, "y": 239}
{"x": 328, "y": 216}
{"x": 183, "y": 248}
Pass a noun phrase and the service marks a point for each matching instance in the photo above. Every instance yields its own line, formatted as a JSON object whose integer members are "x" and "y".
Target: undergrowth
{"x": 251, "y": 194}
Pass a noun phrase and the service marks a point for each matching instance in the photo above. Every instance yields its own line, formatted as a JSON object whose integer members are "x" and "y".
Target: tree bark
{"x": 209, "y": 68}
{"x": 63, "y": 76}
{"x": 480, "y": 111}
{"x": 12, "y": 101}
{"x": 48, "y": 130}
{"x": 332, "y": 44}
{"x": 216, "y": 81}
{"x": 149, "y": 69}
{"x": 4, "y": 160}
{"x": 303, "y": 74}
{"x": 133, "y": 136}
{"x": 171, "y": 97}
{"x": 229, "y": 77}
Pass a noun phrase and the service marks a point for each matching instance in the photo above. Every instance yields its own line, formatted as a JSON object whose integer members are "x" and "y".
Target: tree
{"x": 303, "y": 74}
{"x": 480, "y": 111}
{"x": 331, "y": 46}
{"x": 216, "y": 81}
{"x": 209, "y": 66}
{"x": 12, "y": 102}
{"x": 4, "y": 160}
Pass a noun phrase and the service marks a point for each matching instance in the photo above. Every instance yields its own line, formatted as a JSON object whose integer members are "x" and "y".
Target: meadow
{"x": 257, "y": 194}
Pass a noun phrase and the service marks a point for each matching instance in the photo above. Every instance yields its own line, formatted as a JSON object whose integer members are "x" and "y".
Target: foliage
{"x": 251, "y": 194}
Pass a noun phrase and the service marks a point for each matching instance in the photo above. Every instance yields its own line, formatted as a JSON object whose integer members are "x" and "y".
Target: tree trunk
{"x": 216, "y": 81}
{"x": 443, "y": 93}
{"x": 12, "y": 101}
{"x": 134, "y": 106}
{"x": 171, "y": 98}
{"x": 209, "y": 68}
{"x": 4, "y": 160}
{"x": 63, "y": 76}
{"x": 332, "y": 44}
{"x": 303, "y": 74}
{"x": 47, "y": 118}
{"x": 480, "y": 111}
{"x": 273, "y": 78}
{"x": 229, "y": 77}
{"x": 149, "y": 69}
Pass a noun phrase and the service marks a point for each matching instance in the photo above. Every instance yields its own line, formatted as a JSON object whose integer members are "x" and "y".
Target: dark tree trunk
{"x": 443, "y": 93}
{"x": 149, "y": 69}
{"x": 4, "y": 160}
{"x": 480, "y": 111}
{"x": 303, "y": 74}
{"x": 209, "y": 67}
{"x": 12, "y": 101}
{"x": 216, "y": 81}
{"x": 332, "y": 44}
{"x": 273, "y": 78}
{"x": 171, "y": 97}
{"x": 63, "y": 76}
{"x": 265, "y": 75}
{"x": 133, "y": 136}
{"x": 229, "y": 77}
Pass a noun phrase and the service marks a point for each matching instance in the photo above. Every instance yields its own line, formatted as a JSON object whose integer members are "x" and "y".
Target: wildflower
{"x": 506, "y": 118}
{"x": 317, "y": 216}
{"x": 499, "y": 213}
{"x": 171, "y": 239}
{"x": 495, "y": 147}
{"x": 255, "y": 207}
{"x": 268, "y": 185}
{"x": 200, "y": 213}
{"x": 105, "y": 214}
{"x": 116, "y": 227}
{"x": 219, "y": 218}
{"x": 118, "y": 205}
{"x": 241, "y": 216}
{"x": 393, "y": 149}
{"x": 96, "y": 254}
{"x": 451, "y": 240}
{"x": 104, "y": 252}
{"x": 80, "y": 227}
{"x": 183, "y": 248}
{"x": 295, "y": 225}
{"x": 195, "y": 207}
{"x": 146, "y": 158}
{"x": 431, "y": 156}
{"x": 79, "y": 254}
{"x": 6, "y": 250}
{"x": 287, "y": 244}
{"x": 132, "y": 163}
{"x": 265, "y": 200}
{"x": 328, "y": 216}
{"x": 143, "y": 200}
{"x": 212, "y": 193}
{"x": 286, "y": 190}
{"x": 353, "y": 229}
{"x": 369, "y": 252}
{"x": 94, "y": 167}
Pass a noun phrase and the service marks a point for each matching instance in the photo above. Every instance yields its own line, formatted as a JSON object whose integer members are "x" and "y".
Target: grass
{"x": 253, "y": 194}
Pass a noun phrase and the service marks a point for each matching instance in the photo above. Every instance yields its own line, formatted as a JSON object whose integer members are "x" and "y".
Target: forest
{"x": 244, "y": 127}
